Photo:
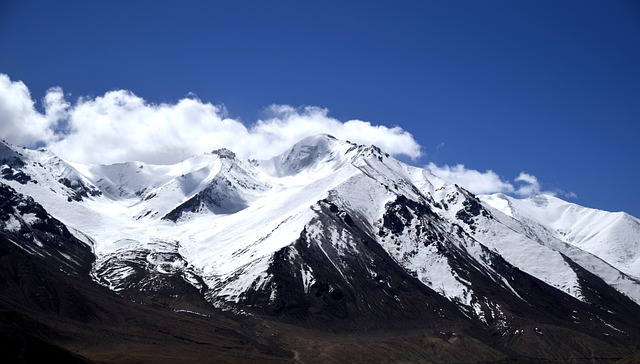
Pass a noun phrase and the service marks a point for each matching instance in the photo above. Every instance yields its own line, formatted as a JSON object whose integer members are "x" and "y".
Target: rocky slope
{"x": 328, "y": 243}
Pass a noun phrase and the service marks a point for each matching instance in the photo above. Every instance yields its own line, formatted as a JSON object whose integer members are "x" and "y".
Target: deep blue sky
{"x": 547, "y": 87}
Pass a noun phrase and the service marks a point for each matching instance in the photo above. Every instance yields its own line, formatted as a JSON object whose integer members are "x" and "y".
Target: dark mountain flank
{"x": 329, "y": 253}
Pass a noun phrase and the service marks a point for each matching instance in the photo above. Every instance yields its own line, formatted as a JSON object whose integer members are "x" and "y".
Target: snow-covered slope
{"x": 612, "y": 236}
{"x": 226, "y": 227}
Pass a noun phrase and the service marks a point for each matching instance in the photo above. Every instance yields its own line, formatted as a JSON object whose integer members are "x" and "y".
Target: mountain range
{"x": 329, "y": 252}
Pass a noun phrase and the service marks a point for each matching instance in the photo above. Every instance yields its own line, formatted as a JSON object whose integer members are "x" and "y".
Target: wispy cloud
{"x": 487, "y": 182}
{"x": 121, "y": 126}
{"x": 471, "y": 179}
{"x": 529, "y": 185}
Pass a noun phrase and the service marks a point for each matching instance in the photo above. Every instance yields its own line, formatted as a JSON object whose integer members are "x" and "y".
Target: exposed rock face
{"x": 330, "y": 251}
{"x": 27, "y": 224}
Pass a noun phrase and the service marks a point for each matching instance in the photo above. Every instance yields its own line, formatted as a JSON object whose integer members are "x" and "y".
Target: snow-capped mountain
{"x": 335, "y": 233}
{"x": 613, "y": 237}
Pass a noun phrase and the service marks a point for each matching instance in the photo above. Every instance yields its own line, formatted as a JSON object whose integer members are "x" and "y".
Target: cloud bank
{"x": 120, "y": 126}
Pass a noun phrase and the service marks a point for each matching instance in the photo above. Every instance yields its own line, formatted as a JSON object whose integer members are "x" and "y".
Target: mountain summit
{"x": 327, "y": 239}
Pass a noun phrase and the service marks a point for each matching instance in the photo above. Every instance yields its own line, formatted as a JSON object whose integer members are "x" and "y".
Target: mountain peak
{"x": 224, "y": 153}
{"x": 340, "y": 235}
{"x": 309, "y": 153}
{"x": 9, "y": 155}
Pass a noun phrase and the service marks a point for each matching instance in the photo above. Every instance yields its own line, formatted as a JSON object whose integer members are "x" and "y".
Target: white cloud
{"x": 529, "y": 185}
{"x": 120, "y": 126}
{"x": 475, "y": 181}
{"x": 489, "y": 182}
{"x": 288, "y": 125}
{"x": 55, "y": 105}
{"x": 20, "y": 122}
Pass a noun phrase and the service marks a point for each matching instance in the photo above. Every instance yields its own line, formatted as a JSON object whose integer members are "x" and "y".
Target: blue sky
{"x": 550, "y": 88}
